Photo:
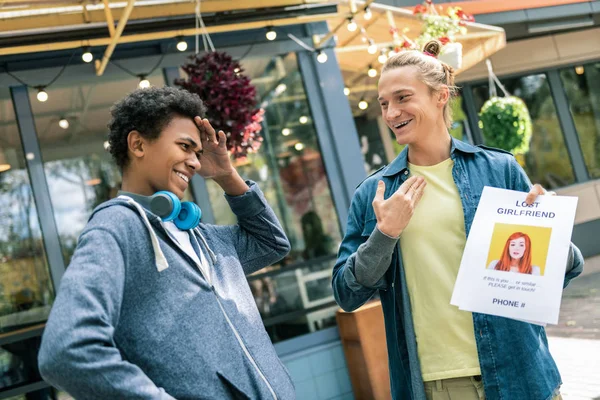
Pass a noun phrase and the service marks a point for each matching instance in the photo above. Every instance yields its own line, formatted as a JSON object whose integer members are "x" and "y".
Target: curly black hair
{"x": 148, "y": 111}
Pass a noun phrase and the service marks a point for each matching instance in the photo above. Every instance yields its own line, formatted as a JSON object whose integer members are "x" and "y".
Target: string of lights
{"x": 144, "y": 82}
{"x": 42, "y": 95}
{"x": 271, "y": 34}
{"x": 382, "y": 51}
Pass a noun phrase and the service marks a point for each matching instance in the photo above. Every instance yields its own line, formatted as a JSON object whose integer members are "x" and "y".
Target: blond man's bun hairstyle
{"x": 433, "y": 48}
{"x": 434, "y": 73}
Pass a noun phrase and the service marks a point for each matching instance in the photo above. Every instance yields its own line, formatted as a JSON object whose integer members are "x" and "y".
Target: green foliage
{"x": 436, "y": 27}
{"x": 506, "y": 124}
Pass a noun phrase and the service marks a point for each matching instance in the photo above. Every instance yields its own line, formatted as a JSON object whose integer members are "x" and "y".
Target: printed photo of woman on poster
{"x": 516, "y": 256}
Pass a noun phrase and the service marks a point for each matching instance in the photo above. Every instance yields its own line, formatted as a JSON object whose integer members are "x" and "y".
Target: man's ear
{"x": 443, "y": 96}
{"x": 136, "y": 144}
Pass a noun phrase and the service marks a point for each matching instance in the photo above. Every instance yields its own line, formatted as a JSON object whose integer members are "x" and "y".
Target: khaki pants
{"x": 467, "y": 388}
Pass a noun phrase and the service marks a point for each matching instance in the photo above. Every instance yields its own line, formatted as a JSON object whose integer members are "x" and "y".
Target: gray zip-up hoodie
{"x": 135, "y": 318}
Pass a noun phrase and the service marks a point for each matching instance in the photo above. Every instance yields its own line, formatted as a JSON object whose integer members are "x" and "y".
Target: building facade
{"x": 317, "y": 147}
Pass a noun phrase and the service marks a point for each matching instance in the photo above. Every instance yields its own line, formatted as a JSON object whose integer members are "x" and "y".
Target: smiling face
{"x": 408, "y": 106}
{"x": 516, "y": 248}
{"x": 170, "y": 161}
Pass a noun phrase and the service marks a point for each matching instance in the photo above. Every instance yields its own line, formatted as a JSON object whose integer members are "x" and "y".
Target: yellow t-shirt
{"x": 432, "y": 245}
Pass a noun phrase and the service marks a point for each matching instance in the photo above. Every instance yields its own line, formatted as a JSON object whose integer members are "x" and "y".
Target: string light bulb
{"x": 351, "y": 25}
{"x": 363, "y": 105}
{"x": 42, "y": 95}
{"x": 87, "y": 55}
{"x": 286, "y": 131}
{"x": 299, "y": 146}
{"x": 382, "y": 57}
{"x": 372, "y": 49}
{"x": 181, "y": 44}
{"x": 144, "y": 82}
{"x": 372, "y": 72}
{"x": 303, "y": 119}
{"x": 368, "y": 14}
{"x": 282, "y": 87}
{"x": 579, "y": 70}
{"x": 271, "y": 34}
{"x": 321, "y": 57}
{"x": 63, "y": 123}
{"x": 346, "y": 91}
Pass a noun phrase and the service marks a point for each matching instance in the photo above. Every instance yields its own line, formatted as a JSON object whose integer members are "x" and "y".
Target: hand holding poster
{"x": 515, "y": 257}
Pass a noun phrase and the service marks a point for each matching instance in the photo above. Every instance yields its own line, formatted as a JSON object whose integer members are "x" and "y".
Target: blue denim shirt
{"x": 514, "y": 357}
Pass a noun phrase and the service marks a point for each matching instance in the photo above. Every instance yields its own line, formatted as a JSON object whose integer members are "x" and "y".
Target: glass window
{"x": 26, "y": 291}
{"x": 460, "y": 124}
{"x": 375, "y": 138}
{"x": 294, "y": 296}
{"x": 547, "y": 161}
{"x": 377, "y": 142}
{"x": 18, "y": 367}
{"x": 72, "y": 130}
{"x": 582, "y": 85}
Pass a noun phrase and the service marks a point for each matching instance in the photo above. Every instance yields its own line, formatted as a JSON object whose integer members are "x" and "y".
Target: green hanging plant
{"x": 506, "y": 124}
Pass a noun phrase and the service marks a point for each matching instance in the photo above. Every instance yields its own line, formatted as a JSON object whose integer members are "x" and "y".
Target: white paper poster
{"x": 515, "y": 257}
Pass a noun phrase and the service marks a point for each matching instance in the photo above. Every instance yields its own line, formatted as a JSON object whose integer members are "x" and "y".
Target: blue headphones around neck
{"x": 168, "y": 207}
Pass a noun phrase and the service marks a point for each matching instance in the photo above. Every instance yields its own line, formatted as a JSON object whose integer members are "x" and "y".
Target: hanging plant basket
{"x": 443, "y": 26}
{"x": 506, "y": 124}
{"x": 452, "y": 55}
{"x": 230, "y": 99}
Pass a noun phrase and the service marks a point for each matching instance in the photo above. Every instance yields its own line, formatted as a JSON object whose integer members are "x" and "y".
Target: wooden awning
{"x": 20, "y": 15}
{"x": 28, "y": 26}
{"x": 29, "y": 20}
{"x": 480, "y": 41}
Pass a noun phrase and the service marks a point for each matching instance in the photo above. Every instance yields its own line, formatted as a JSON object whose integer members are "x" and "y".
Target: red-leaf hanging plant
{"x": 230, "y": 99}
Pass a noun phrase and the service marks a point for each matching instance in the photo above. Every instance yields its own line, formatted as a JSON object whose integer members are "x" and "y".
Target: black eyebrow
{"x": 192, "y": 143}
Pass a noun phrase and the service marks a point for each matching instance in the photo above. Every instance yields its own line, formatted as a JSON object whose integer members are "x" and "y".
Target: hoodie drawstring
{"x": 205, "y": 243}
{"x": 159, "y": 256}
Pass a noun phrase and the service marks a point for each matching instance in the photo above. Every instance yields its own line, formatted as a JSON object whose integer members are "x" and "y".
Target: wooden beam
{"x": 353, "y": 8}
{"x": 222, "y": 4}
{"x": 476, "y": 35}
{"x": 14, "y": 3}
{"x": 4, "y": 7}
{"x": 361, "y": 47}
{"x": 495, "y": 6}
{"x": 84, "y": 10}
{"x": 97, "y": 14}
{"x": 101, "y": 65}
{"x": 160, "y": 35}
{"x": 358, "y": 32}
{"x": 109, "y": 18}
{"x": 334, "y": 31}
{"x": 360, "y": 71}
{"x": 459, "y": 38}
{"x": 394, "y": 29}
{"x": 358, "y": 89}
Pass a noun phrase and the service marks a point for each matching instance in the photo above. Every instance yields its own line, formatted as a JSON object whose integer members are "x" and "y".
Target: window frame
{"x": 561, "y": 104}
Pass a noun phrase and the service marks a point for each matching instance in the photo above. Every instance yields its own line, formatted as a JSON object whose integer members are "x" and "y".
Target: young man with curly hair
{"x": 148, "y": 310}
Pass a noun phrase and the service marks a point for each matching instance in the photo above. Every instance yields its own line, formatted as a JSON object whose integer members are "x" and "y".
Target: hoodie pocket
{"x": 232, "y": 389}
